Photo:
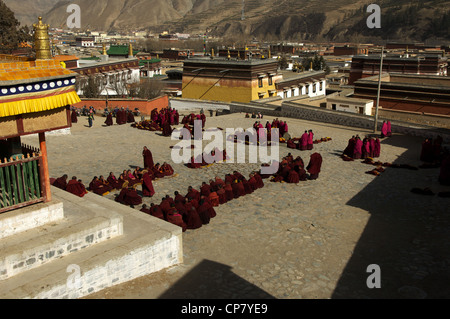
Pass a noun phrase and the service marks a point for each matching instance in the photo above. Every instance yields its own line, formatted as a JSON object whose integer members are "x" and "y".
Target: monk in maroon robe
{"x": 193, "y": 220}
{"x": 167, "y": 169}
{"x": 384, "y": 130}
{"x": 145, "y": 209}
{"x": 178, "y": 197}
{"x": 167, "y": 129}
{"x": 222, "y": 195}
{"x": 214, "y": 199}
{"x": 98, "y": 187}
{"x": 147, "y": 185}
{"x": 61, "y": 182}
{"x": 109, "y": 119}
{"x": 314, "y": 165}
{"x": 291, "y": 144}
{"x": 310, "y": 144}
{"x": 426, "y": 154}
{"x": 229, "y": 191}
{"x": 357, "y": 151}
{"x": 174, "y": 217}
{"x": 193, "y": 193}
{"x": 148, "y": 158}
{"x": 113, "y": 181}
{"x": 293, "y": 177}
{"x": 156, "y": 211}
{"x": 205, "y": 189}
{"x": 74, "y": 117}
{"x": 75, "y": 187}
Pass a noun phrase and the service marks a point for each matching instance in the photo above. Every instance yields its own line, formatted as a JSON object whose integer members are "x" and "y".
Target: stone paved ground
{"x": 311, "y": 240}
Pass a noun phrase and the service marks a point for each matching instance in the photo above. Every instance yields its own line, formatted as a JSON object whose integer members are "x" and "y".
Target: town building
{"x": 365, "y": 66}
{"x": 428, "y": 94}
{"x": 229, "y": 80}
{"x": 304, "y": 84}
{"x": 85, "y": 42}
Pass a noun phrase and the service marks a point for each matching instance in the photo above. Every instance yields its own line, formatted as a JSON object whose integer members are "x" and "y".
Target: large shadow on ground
{"x": 407, "y": 234}
{"x": 213, "y": 280}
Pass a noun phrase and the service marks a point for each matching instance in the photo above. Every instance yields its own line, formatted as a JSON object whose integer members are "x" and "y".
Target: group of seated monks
{"x": 122, "y": 117}
{"x": 196, "y": 208}
{"x": 199, "y": 161}
{"x": 357, "y": 149}
{"x": 127, "y": 179}
{"x": 74, "y": 186}
{"x": 292, "y": 170}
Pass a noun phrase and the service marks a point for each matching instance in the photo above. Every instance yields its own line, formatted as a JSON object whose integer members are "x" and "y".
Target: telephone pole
{"x": 379, "y": 90}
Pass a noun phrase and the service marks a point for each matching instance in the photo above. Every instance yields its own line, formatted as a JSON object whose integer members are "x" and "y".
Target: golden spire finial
{"x": 42, "y": 41}
{"x": 104, "y": 49}
{"x": 130, "y": 50}
{"x": 229, "y": 55}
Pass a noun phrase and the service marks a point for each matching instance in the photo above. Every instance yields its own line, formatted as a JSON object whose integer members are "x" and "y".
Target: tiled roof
{"x": 65, "y": 58}
{"x": 26, "y": 71}
{"x": 120, "y": 50}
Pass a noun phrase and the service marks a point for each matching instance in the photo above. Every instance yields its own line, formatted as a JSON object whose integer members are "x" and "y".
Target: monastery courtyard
{"x": 311, "y": 240}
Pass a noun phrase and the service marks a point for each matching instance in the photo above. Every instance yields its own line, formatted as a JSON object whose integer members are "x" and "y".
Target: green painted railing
{"x": 20, "y": 182}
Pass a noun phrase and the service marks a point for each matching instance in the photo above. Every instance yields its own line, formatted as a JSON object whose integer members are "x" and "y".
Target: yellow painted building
{"x": 229, "y": 80}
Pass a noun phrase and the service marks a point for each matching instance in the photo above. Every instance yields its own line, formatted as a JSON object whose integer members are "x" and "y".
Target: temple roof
{"x": 35, "y": 86}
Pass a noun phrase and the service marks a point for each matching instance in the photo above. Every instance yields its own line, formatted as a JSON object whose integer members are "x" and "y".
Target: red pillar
{"x": 45, "y": 177}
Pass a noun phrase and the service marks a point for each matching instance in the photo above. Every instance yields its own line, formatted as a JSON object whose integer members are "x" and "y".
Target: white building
{"x": 350, "y": 104}
{"x": 305, "y": 84}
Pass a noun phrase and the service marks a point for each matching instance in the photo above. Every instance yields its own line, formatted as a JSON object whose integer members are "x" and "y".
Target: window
{"x": 293, "y": 92}
{"x": 260, "y": 82}
{"x": 270, "y": 80}
{"x": 320, "y": 86}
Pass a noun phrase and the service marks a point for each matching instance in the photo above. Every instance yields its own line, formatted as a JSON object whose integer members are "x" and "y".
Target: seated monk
{"x": 291, "y": 144}
{"x": 192, "y": 219}
{"x": 156, "y": 171}
{"x": 219, "y": 181}
{"x": 229, "y": 191}
{"x": 131, "y": 179}
{"x": 193, "y": 193}
{"x": 61, "y": 182}
{"x": 222, "y": 195}
{"x": 97, "y": 187}
{"x": 205, "y": 189}
{"x": 302, "y": 175}
{"x": 181, "y": 208}
{"x": 145, "y": 209}
{"x": 213, "y": 186}
{"x": 259, "y": 180}
{"x": 247, "y": 187}
{"x": 214, "y": 199}
{"x": 76, "y": 188}
{"x": 105, "y": 183}
{"x": 252, "y": 182}
{"x": 174, "y": 217}
{"x": 238, "y": 189}
{"x": 238, "y": 175}
{"x": 166, "y": 169}
{"x": 179, "y": 197}
{"x": 147, "y": 185}
{"x": 113, "y": 181}
{"x": 206, "y": 204}
{"x": 137, "y": 173}
{"x": 203, "y": 213}
{"x": 156, "y": 211}
{"x": 293, "y": 177}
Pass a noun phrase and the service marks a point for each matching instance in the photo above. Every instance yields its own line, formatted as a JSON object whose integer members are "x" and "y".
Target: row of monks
{"x": 127, "y": 179}
{"x": 122, "y": 117}
{"x": 367, "y": 148}
{"x": 196, "y": 208}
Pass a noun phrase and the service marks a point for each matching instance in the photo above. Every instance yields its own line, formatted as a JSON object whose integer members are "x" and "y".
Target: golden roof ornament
{"x": 130, "y": 50}
{"x": 42, "y": 41}
{"x": 104, "y": 49}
